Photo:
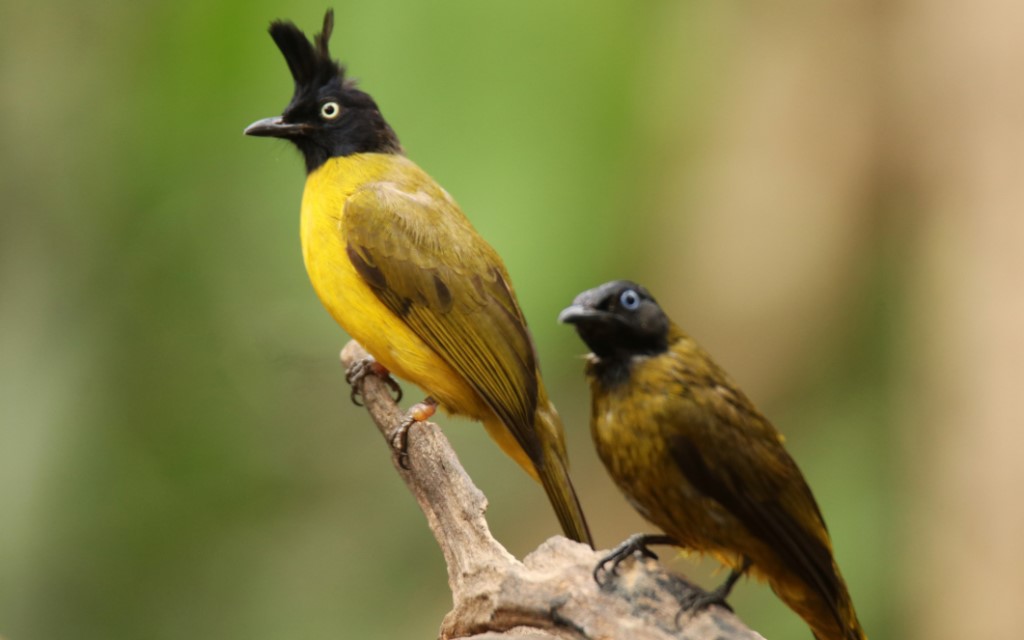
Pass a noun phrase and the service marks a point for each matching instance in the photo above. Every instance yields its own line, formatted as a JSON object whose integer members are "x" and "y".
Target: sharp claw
{"x": 638, "y": 544}
{"x": 700, "y": 600}
{"x": 634, "y": 544}
{"x": 399, "y": 438}
{"x": 400, "y": 442}
{"x": 365, "y": 367}
{"x": 394, "y": 388}
{"x": 598, "y": 570}
{"x": 614, "y": 559}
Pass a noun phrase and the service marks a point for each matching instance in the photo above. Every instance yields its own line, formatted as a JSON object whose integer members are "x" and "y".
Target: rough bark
{"x": 549, "y": 594}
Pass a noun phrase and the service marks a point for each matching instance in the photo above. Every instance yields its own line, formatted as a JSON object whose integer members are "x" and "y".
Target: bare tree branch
{"x": 552, "y": 592}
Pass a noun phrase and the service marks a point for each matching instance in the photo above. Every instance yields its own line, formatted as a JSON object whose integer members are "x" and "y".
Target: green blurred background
{"x": 178, "y": 453}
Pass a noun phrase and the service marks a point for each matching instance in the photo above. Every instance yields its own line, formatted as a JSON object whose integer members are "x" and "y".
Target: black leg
{"x": 636, "y": 543}
{"x": 717, "y": 596}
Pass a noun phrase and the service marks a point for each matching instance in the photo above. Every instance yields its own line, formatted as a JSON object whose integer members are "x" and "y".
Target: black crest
{"x": 310, "y": 63}
{"x": 352, "y": 124}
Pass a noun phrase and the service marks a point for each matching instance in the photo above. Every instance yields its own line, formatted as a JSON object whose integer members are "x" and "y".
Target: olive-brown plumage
{"x": 696, "y": 458}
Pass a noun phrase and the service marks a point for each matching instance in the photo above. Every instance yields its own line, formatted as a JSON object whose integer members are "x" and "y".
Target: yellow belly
{"x": 351, "y": 301}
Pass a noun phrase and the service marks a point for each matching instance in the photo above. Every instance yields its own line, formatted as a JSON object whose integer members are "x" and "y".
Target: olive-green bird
{"x": 401, "y": 269}
{"x": 696, "y": 458}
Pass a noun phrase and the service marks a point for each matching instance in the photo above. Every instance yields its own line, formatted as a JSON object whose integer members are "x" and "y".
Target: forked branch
{"x": 552, "y": 592}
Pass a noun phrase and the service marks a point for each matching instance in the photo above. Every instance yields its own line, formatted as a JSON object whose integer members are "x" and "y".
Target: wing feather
{"x": 422, "y": 258}
{"x": 746, "y": 469}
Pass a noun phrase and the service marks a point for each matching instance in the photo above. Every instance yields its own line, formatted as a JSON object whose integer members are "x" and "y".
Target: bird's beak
{"x": 576, "y": 313}
{"x": 275, "y": 128}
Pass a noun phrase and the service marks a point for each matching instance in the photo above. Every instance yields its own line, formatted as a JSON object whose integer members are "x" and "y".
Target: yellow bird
{"x": 695, "y": 457}
{"x": 401, "y": 269}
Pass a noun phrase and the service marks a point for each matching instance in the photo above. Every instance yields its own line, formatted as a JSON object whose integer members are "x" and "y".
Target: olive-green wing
{"x": 739, "y": 461}
{"x": 422, "y": 258}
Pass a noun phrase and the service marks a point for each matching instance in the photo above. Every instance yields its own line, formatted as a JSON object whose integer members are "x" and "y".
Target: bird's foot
{"x": 700, "y": 600}
{"x": 399, "y": 437}
{"x": 365, "y": 367}
{"x": 636, "y": 544}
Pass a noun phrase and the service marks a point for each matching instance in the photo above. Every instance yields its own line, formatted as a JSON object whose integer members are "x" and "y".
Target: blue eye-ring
{"x": 630, "y": 300}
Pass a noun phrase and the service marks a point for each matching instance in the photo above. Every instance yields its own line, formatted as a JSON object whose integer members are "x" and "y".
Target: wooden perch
{"x": 551, "y": 593}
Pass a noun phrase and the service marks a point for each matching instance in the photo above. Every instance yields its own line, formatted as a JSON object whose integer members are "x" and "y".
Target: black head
{"x": 618, "y": 320}
{"x": 328, "y": 116}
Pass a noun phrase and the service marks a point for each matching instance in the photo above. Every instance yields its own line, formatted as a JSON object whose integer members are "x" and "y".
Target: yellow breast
{"x": 347, "y": 296}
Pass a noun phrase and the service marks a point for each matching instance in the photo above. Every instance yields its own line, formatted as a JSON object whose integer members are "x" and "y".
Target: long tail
{"x": 828, "y": 629}
{"x": 553, "y": 474}
{"x": 830, "y": 616}
{"x": 552, "y": 471}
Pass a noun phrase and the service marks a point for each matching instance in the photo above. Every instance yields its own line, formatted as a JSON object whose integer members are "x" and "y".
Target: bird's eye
{"x": 330, "y": 110}
{"x": 629, "y": 300}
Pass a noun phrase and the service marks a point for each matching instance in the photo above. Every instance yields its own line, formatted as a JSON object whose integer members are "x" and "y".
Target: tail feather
{"x": 554, "y": 476}
{"x": 551, "y": 469}
{"x": 831, "y": 617}
{"x": 553, "y": 472}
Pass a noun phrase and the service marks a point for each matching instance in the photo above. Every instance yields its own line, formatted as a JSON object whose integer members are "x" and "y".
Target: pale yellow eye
{"x": 330, "y": 110}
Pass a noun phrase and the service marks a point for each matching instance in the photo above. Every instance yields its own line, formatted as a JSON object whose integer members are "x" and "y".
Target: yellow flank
{"x": 504, "y": 438}
{"x": 347, "y": 296}
{"x": 356, "y": 307}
